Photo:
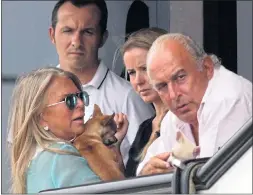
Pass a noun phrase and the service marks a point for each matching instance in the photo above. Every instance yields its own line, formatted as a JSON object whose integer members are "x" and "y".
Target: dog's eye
{"x": 106, "y": 142}
{"x": 107, "y": 122}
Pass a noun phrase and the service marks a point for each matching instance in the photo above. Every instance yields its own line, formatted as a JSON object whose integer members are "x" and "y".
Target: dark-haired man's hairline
{"x": 101, "y": 6}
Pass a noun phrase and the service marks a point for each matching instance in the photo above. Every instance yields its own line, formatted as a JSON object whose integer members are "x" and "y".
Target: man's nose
{"x": 172, "y": 91}
{"x": 76, "y": 40}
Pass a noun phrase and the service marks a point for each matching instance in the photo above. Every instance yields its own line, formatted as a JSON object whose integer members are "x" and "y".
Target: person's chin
{"x": 147, "y": 98}
{"x": 76, "y": 61}
{"x": 79, "y": 131}
{"x": 186, "y": 116}
{"x": 78, "y": 127}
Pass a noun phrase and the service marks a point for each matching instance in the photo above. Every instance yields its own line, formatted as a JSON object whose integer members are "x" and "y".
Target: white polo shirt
{"x": 225, "y": 107}
{"x": 115, "y": 94}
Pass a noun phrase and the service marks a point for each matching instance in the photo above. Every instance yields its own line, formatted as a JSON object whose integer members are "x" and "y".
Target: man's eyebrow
{"x": 158, "y": 85}
{"x": 175, "y": 75}
{"x": 131, "y": 69}
{"x": 65, "y": 26}
{"x": 84, "y": 29}
{"x": 89, "y": 28}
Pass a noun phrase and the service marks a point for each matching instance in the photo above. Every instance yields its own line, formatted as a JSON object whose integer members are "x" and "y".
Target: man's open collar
{"x": 210, "y": 84}
{"x": 99, "y": 76}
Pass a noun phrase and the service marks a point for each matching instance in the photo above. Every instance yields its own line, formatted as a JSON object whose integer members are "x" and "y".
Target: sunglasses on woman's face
{"x": 71, "y": 100}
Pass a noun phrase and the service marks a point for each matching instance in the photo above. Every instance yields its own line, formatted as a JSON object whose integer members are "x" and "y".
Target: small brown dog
{"x": 93, "y": 145}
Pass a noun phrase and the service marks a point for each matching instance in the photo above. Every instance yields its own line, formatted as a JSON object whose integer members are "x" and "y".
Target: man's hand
{"x": 122, "y": 126}
{"x": 157, "y": 164}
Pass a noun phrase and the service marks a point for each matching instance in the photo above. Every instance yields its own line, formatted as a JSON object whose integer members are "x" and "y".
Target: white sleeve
{"x": 162, "y": 144}
{"x": 222, "y": 122}
{"x": 154, "y": 149}
{"x": 137, "y": 111}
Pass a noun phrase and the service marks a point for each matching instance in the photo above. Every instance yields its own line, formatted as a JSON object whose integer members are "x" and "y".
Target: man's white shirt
{"x": 225, "y": 107}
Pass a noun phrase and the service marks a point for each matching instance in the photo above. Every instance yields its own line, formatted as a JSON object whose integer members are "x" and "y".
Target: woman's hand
{"x": 122, "y": 126}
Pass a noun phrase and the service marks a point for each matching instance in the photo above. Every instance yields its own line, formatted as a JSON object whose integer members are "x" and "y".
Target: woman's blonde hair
{"x": 27, "y": 102}
{"x": 142, "y": 38}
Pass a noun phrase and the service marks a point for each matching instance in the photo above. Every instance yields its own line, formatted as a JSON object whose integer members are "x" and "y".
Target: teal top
{"x": 49, "y": 170}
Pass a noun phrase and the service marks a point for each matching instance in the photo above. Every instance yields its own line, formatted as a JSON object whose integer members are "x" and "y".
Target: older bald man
{"x": 207, "y": 102}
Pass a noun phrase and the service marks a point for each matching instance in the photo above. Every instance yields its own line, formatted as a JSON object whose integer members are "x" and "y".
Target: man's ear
{"x": 51, "y": 32}
{"x": 208, "y": 66}
{"x": 104, "y": 38}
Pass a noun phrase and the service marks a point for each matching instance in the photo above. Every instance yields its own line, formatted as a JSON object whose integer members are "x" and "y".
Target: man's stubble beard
{"x": 80, "y": 66}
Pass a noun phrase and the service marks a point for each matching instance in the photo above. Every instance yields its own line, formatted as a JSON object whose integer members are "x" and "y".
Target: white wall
{"x": 25, "y": 30}
{"x": 116, "y": 24}
{"x": 244, "y": 39}
{"x": 25, "y": 46}
{"x": 187, "y": 17}
{"x": 25, "y": 42}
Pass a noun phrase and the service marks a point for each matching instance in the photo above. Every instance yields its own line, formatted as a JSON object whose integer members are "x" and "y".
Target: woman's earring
{"x": 46, "y": 128}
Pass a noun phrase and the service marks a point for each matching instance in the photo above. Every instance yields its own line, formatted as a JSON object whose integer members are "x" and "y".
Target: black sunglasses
{"x": 71, "y": 100}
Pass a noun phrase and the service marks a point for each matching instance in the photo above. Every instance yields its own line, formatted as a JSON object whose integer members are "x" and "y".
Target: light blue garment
{"x": 52, "y": 170}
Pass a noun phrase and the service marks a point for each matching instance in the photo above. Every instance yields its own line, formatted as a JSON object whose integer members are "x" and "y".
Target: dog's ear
{"x": 97, "y": 111}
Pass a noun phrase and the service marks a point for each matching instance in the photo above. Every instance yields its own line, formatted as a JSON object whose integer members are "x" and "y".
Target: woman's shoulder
{"x": 53, "y": 169}
{"x": 145, "y": 128}
{"x": 63, "y": 146}
{"x": 142, "y": 136}
{"x": 53, "y": 152}
{"x": 58, "y": 156}
{"x": 147, "y": 122}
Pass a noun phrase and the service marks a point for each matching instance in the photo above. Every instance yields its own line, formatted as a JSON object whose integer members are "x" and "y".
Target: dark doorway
{"x": 137, "y": 18}
{"x": 220, "y": 31}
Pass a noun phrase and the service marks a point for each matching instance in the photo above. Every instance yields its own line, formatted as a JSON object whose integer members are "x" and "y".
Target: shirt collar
{"x": 210, "y": 85}
{"x": 99, "y": 76}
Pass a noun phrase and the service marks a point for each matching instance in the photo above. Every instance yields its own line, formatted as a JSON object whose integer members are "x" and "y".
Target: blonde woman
{"x": 47, "y": 111}
{"x": 134, "y": 52}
